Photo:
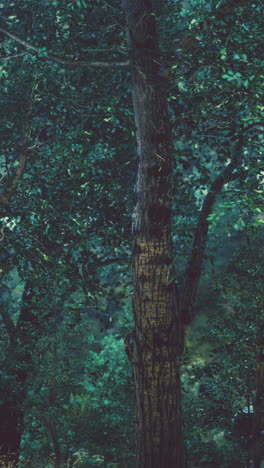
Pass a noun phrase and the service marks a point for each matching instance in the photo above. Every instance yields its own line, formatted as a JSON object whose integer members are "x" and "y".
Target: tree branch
{"x": 8, "y": 193}
{"x": 228, "y": 7}
{"x": 109, "y": 261}
{"x": 10, "y": 57}
{"x": 64, "y": 60}
{"x": 9, "y": 325}
{"x": 194, "y": 267}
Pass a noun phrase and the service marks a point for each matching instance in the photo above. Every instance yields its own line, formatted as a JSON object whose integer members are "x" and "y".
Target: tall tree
{"x": 156, "y": 342}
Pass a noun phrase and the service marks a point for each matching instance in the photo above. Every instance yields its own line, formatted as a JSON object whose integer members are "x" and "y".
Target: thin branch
{"x": 98, "y": 262}
{"x": 2, "y": 234}
{"x": 194, "y": 267}
{"x": 10, "y": 57}
{"x": 228, "y": 7}
{"x": 64, "y": 60}
{"x": 109, "y": 261}
{"x": 20, "y": 41}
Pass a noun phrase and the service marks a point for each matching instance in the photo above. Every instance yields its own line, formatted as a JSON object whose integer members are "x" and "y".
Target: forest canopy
{"x": 131, "y": 234}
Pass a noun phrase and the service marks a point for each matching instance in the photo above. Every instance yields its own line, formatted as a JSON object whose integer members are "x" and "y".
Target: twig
{"x": 10, "y": 57}
{"x": 2, "y": 233}
{"x": 64, "y": 60}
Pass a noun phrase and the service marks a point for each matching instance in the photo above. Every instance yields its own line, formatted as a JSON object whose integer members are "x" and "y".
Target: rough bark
{"x": 157, "y": 341}
{"x": 155, "y": 344}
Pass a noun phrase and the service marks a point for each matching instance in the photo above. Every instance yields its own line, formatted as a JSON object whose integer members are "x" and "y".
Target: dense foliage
{"x": 67, "y": 170}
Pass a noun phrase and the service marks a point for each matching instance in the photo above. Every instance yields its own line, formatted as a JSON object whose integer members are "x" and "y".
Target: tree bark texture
{"x": 156, "y": 342}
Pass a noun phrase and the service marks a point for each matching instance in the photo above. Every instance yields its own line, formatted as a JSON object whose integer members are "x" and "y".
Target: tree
{"x": 35, "y": 243}
{"x": 161, "y": 313}
{"x": 156, "y": 343}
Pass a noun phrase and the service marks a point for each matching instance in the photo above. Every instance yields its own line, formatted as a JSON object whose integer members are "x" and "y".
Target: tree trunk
{"x": 10, "y": 416}
{"x": 16, "y": 368}
{"x": 56, "y": 444}
{"x": 156, "y": 342}
{"x": 10, "y": 432}
{"x": 13, "y": 388}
